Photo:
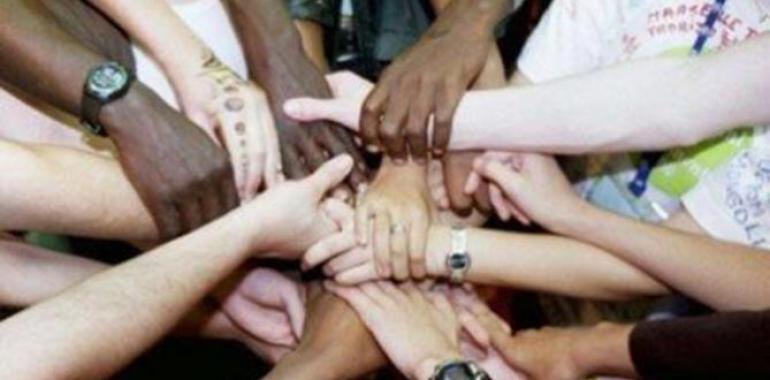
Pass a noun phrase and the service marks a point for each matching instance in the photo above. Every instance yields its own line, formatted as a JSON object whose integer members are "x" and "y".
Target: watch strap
{"x": 90, "y": 108}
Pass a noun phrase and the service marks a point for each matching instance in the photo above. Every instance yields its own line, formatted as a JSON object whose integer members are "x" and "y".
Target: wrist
{"x": 605, "y": 351}
{"x": 427, "y": 367}
{"x": 438, "y": 246}
{"x": 478, "y": 17}
{"x": 571, "y": 220}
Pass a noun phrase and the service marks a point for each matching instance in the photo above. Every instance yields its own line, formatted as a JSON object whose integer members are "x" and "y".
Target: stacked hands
{"x": 386, "y": 237}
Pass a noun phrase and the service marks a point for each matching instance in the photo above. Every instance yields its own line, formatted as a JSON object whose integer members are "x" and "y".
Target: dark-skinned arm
{"x": 278, "y": 63}
{"x": 183, "y": 178}
{"x": 430, "y": 79}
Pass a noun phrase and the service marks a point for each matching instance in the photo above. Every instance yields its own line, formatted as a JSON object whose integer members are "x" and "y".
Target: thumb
{"x": 313, "y": 109}
{"x": 331, "y": 174}
{"x": 506, "y": 178}
{"x": 295, "y": 309}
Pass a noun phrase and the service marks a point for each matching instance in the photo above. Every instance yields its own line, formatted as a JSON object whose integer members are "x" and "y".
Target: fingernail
{"x": 291, "y": 107}
{"x": 399, "y": 161}
{"x": 420, "y": 161}
{"x": 372, "y": 149}
{"x": 438, "y": 152}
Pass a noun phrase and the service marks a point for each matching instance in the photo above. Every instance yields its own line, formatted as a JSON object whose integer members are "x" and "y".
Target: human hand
{"x": 534, "y": 183}
{"x": 236, "y": 114}
{"x": 182, "y": 177}
{"x": 266, "y": 304}
{"x": 393, "y": 217}
{"x": 307, "y": 145}
{"x": 416, "y": 333}
{"x": 348, "y": 94}
{"x": 428, "y": 79}
{"x": 296, "y": 216}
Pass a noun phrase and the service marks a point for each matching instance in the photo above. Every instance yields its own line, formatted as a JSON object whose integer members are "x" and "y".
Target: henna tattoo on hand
{"x": 234, "y": 104}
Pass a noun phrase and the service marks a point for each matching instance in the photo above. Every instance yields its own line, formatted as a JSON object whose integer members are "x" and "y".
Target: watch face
{"x": 456, "y": 371}
{"x": 107, "y": 80}
{"x": 458, "y": 261}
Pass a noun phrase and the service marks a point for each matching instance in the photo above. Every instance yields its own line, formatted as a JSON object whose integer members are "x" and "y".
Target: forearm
{"x": 543, "y": 262}
{"x": 649, "y": 104}
{"x": 66, "y": 191}
{"x": 93, "y": 329}
{"x": 39, "y": 57}
{"x": 692, "y": 264}
{"x": 312, "y": 37}
{"x": 155, "y": 26}
{"x": 31, "y": 274}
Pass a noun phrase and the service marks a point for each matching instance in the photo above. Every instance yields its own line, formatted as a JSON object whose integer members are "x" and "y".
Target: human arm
{"x": 333, "y": 334}
{"x": 724, "y": 276}
{"x": 670, "y": 105}
{"x": 430, "y": 78}
{"x": 87, "y": 321}
{"x": 278, "y": 63}
{"x": 232, "y": 111}
{"x": 417, "y": 333}
{"x": 169, "y": 162}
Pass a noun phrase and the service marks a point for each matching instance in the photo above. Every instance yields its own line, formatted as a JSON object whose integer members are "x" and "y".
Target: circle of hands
{"x": 361, "y": 249}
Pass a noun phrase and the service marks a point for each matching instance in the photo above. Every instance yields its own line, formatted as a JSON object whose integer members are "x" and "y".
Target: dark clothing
{"x": 732, "y": 345}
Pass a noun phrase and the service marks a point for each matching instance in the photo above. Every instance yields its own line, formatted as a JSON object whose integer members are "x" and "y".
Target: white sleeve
{"x": 571, "y": 38}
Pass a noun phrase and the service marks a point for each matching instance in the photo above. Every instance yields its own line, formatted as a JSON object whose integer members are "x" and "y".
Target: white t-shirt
{"x": 716, "y": 180}
{"x": 210, "y": 22}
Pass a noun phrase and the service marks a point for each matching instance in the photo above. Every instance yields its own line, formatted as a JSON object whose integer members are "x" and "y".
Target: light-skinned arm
{"x": 724, "y": 276}
{"x": 232, "y": 111}
{"x": 649, "y": 104}
{"x": 95, "y": 328}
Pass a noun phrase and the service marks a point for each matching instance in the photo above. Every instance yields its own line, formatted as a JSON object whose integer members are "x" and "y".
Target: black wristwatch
{"x": 459, "y": 370}
{"x": 105, "y": 83}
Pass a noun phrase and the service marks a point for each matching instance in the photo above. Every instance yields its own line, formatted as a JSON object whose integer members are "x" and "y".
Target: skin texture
{"x": 417, "y": 333}
{"x": 333, "y": 334}
{"x": 561, "y": 353}
{"x": 588, "y": 115}
{"x": 232, "y": 111}
{"x": 183, "y": 178}
{"x": 278, "y": 63}
{"x": 683, "y": 261}
{"x": 429, "y": 79}
{"x": 72, "y": 348}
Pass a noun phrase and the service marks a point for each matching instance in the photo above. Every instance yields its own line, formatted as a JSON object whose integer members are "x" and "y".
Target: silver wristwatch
{"x": 458, "y": 262}
{"x": 459, "y": 370}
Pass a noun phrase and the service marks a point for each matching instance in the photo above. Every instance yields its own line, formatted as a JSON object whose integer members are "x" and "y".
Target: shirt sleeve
{"x": 733, "y": 345}
{"x": 569, "y": 39}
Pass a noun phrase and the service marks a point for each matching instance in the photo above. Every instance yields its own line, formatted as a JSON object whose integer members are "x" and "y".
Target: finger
{"x": 357, "y": 275}
{"x": 331, "y": 174}
{"x": 417, "y": 123}
{"x": 501, "y": 207}
{"x": 340, "y": 213}
{"x": 295, "y": 308}
{"x": 312, "y": 153}
{"x": 257, "y": 149}
{"x": 273, "y": 164}
{"x": 350, "y": 259}
{"x": 448, "y": 98}
{"x": 517, "y": 213}
{"x": 202, "y": 120}
{"x": 475, "y": 329}
{"x": 507, "y": 179}
{"x": 481, "y": 198}
{"x": 399, "y": 250}
{"x": 371, "y": 115}
{"x": 363, "y": 221}
{"x": 326, "y": 249}
{"x": 360, "y": 174}
{"x": 377, "y": 294}
{"x": 266, "y": 324}
{"x": 167, "y": 219}
{"x": 292, "y": 163}
{"x": 417, "y": 245}
{"x": 456, "y": 168}
{"x": 191, "y": 211}
{"x": 473, "y": 182}
{"x": 381, "y": 242}
{"x": 234, "y": 132}
{"x": 315, "y": 109}
{"x": 391, "y": 130}
{"x": 363, "y": 304}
